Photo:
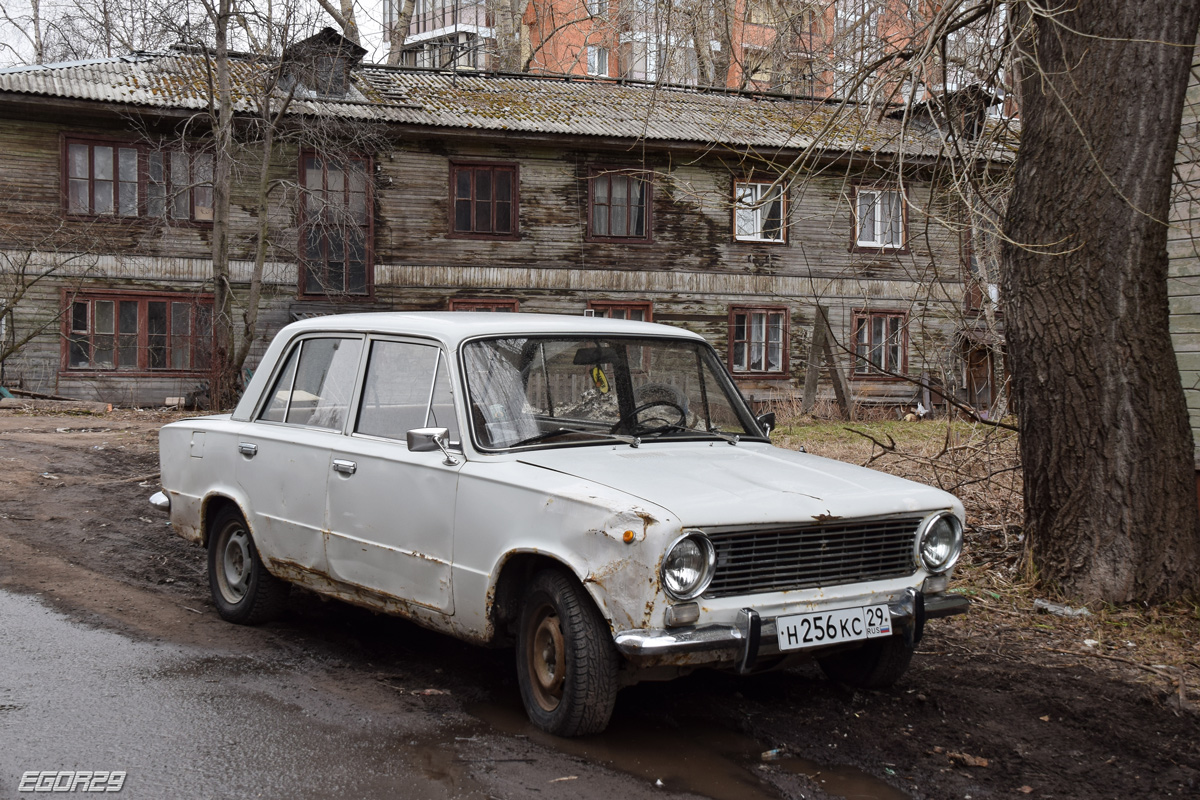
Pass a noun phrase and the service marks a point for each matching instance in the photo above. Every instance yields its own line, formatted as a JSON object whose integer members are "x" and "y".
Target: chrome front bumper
{"x": 752, "y": 637}
{"x": 161, "y": 501}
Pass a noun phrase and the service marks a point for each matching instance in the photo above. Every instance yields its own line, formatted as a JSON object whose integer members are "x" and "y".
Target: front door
{"x": 391, "y": 511}
{"x": 284, "y": 454}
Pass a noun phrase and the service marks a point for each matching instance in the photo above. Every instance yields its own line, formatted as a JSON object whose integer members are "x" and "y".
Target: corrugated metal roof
{"x": 531, "y": 104}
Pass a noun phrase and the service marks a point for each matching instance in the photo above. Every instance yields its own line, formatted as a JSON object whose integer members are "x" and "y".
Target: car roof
{"x": 453, "y": 327}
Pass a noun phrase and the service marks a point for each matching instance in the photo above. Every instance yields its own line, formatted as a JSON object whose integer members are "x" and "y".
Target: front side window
{"x": 879, "y": 219}
{"x": 485, "y": 200}
{"x": 132, "y": 180}
{"x": 879, "y": 343}
{"x": 407, "y": 386}
{"x": 618, "y": 207}
{"x": 315, "y": 385}
{"x": 758, "y": 212}
{"x": 582, "y": 390}
{"x": 137, "y": 334}
{"x": 335, "y": 226}
{"x": 758, "y": 340}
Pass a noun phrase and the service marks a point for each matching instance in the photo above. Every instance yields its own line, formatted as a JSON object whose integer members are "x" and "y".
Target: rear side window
{"x": 316, "y": 383}
{"x": 407, "y": 386}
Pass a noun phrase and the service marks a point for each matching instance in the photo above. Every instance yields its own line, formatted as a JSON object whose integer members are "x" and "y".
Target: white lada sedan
{"x": 595, "y": 491}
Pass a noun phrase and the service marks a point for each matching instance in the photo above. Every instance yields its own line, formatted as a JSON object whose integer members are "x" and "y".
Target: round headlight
{"x": 688, "y": 566}
{"x": 940, "y": 543}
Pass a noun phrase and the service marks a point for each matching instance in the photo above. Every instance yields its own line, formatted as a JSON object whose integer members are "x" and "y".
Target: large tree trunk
{"x": 223, "y": 387}
{"x": 1110, "y": 492}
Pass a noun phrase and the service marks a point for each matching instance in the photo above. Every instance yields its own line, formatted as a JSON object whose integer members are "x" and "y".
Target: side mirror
{"x": 428, "y": 440}
{"x": 767, "y": 423}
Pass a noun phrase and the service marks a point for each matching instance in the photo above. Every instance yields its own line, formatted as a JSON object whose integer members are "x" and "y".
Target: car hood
{"x": 750, "y": 483}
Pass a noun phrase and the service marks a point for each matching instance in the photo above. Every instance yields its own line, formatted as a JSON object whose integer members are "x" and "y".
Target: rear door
{"x": 284, "y": 455}
{"x": 391, "y": 511}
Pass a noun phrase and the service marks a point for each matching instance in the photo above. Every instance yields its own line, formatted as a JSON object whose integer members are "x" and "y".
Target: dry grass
{"x": 981, "y": 465}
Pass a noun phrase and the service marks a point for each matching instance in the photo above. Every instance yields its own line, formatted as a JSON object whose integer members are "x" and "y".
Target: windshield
{"x": 526, "y": 391}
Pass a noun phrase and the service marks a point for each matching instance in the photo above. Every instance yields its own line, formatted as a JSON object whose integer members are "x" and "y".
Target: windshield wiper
{"x": 632, "y": 441}
{"x": 732, "y": 438}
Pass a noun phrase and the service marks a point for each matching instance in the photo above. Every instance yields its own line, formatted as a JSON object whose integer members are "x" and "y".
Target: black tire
{"x": 242, "y": 589}
{"x": 878, "y": 664}
{"x": 566, "y": 662}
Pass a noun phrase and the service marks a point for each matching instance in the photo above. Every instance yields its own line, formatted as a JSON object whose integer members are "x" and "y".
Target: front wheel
{"x": 878, "y": 664}
{"x": 242, "y": 589}
{"x": 566, "y": 662}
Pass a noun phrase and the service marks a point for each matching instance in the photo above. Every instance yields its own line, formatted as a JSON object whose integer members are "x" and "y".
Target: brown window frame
{"x": 199, "y": 357}
{"x": 484, "y": 304}
{"x": 645, "y": 176}
{"x": 855, "y": 244}
{"x": 606, "y": 307}
{"x": 862, "y": 368}
{"x": 474, "y": 167}
{"x": 367, "y": 225}
{"x": 746, "y": 371}
{"x": 145, "y": 154}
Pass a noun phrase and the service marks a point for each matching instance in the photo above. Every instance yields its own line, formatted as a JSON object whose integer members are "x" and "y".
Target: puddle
{"x": 692, "y": 757}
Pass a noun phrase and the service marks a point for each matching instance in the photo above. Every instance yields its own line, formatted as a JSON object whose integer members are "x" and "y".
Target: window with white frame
{"x": 597, "y": 7}
{"x": 597, "y": 60}
{"x": 758, "y": 212}
{"x": 758, "y": 340}
{"x": 879, "y": 342}
{"x": 879, "y": 218}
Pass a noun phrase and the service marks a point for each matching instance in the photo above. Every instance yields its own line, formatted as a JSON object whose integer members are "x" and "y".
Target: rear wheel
{"x": 878, "y": 664}
{"x": 566, "y": 662}
{"x": 242, "y": 589}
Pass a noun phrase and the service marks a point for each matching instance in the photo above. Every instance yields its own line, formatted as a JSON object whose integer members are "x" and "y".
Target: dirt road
{"x": 985, "y": 712}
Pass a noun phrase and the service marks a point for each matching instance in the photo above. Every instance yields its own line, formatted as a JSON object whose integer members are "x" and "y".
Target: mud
{"x": 336, "y": 699}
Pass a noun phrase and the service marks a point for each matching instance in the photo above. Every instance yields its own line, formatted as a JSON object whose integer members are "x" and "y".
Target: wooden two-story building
{"x": 732, "y": 214}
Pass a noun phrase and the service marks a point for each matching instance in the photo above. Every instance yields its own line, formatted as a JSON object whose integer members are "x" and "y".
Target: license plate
{"x": 833, "y": 627}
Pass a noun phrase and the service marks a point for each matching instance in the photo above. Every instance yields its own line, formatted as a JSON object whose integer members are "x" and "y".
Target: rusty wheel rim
{"x": 547, "y": 659}
{"x": 233, "y": 571}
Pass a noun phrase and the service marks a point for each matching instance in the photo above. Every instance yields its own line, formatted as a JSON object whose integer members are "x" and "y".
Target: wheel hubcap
{"x": 547, "y": 661}
{"x": 235, "y": 565}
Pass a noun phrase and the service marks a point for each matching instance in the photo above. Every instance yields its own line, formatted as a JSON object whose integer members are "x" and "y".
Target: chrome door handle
{"x": 247, "y": 449}
{"x": 344, "y": 467}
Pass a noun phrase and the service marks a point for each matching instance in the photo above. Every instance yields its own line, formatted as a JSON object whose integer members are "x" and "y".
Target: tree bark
{"x": 1110, "y": 491}
{"x": 398, "y": 31}
{"x": 224, "y": 384}
{"x": 508, "y": 15}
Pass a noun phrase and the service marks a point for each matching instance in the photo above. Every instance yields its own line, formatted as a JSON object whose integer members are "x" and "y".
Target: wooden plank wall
{"x": 692, "y": 271}
{"x": 1183, "y": 247}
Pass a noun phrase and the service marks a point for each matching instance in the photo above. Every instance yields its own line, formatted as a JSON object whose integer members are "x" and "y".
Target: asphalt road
{"x": 181, "y": 720}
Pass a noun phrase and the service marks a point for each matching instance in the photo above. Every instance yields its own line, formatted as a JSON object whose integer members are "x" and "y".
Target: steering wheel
{"x": 667, "y": 424}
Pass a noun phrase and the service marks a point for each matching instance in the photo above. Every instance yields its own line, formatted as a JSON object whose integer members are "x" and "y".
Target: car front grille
{"x": 800, "y": 557}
